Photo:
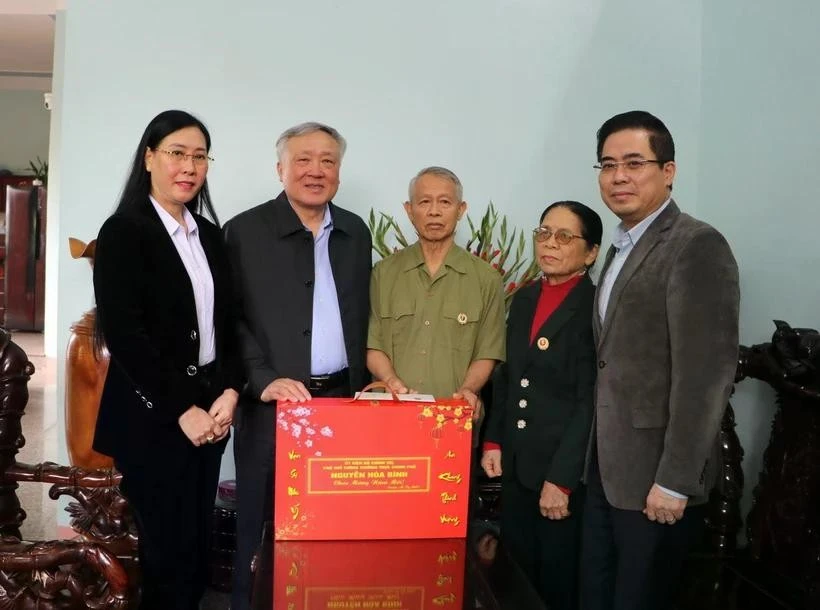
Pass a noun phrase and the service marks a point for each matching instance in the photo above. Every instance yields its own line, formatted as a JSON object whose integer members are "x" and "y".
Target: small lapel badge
{"x": 543, "y": 343}
{"x": 462, "y": 318}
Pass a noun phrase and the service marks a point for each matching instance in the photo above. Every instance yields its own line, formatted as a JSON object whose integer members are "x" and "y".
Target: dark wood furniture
{"x": 783, "y": 526}
{"x": 14, "y": 180}
{"x": 23, "y": 257}
{"x": 57, "y": 574}
{"x": 19, "y": 182}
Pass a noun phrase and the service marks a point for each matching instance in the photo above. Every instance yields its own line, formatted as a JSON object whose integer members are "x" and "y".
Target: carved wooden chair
{"x": 91, "y": 571}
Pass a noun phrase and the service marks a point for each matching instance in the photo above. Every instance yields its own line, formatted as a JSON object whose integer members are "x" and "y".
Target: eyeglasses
{"x": 562, "y": 236}
{"x": 631, "y": 165}
{"x": 177, "y": 156}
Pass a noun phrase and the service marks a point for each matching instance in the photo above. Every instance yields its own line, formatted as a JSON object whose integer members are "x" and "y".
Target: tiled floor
{"x": 40, "y": 432}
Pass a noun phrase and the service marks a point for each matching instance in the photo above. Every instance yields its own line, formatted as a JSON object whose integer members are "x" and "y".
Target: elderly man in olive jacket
{"x": 436, "y": 311}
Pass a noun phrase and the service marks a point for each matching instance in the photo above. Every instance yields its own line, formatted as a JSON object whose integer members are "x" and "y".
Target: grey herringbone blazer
{"x": 667, "y": 354}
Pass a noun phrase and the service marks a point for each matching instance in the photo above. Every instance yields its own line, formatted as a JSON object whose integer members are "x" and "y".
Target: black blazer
{"x": 272, "y": 257}
{"x": 147, "y": 313}
{"x": 543, "y": 398}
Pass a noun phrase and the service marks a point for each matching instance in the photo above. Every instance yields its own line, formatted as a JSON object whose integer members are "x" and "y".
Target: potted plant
{"x": 40, "y": 170}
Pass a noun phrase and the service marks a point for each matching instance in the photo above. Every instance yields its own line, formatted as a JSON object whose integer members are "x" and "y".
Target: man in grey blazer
{"x": 666, "y": 329}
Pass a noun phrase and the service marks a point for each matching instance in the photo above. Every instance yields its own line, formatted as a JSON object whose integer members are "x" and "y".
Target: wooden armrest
{"x": 32, "y": 573}
{"x": 73, "y": 476}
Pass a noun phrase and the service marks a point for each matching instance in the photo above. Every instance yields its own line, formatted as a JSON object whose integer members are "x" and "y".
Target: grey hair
{"x": 441, "y": 172}
{"x": 303, "y": 129}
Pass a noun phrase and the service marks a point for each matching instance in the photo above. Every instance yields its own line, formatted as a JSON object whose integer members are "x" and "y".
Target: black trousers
{"x": 547, "y": 551}
{"x": 254, "y": 457}
{"x": 627, "y": 561}
{"x": 173, "y": 505}
{"x": 171, "y": 491}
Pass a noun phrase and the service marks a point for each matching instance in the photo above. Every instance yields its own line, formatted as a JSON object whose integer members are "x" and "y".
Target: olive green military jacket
{"x": 433, "y": 328}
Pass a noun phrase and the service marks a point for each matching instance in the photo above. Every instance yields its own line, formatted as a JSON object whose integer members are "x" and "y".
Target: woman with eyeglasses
{"x": 539, "y": 424}
{"x": 163, "y": 291}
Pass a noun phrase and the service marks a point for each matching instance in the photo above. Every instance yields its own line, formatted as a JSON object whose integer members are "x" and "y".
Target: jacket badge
{"x": 462, "y": 318}
{"x": 542, "y": 343}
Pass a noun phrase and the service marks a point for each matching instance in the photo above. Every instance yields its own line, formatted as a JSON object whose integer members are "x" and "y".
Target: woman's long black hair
{"x": 138, "y": 185}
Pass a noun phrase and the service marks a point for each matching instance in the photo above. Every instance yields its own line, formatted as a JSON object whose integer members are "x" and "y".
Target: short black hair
{"x": 660, "y": 140}
{"x": 592, "y": 229}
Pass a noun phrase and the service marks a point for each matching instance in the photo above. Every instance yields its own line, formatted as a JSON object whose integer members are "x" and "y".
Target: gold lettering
{"x": 449, "y": 477}
{"x": 447, "y": 557}
{"x": 443, "y": 600}
{"x": 293, "y": 455}
{"x": 292, "y": 491}
{"x": 294, "y": 569}
{"x": 290, "y": 590}
{"x": 447, "y": 498}
{"x": 449, "y": 519}
{"x": 294, "y": 474}
{"x": 450, "y": 454}
{"x": 294, "y": 511}
{"x": 444, "y": 580}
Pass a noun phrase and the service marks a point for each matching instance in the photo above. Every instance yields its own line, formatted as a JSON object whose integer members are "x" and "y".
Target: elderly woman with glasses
{"x": 539, "y": 424}
{"x": 164, "y": 312}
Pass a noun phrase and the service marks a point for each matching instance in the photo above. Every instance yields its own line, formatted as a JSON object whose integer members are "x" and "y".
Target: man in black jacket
{"x": 302, "y": 271}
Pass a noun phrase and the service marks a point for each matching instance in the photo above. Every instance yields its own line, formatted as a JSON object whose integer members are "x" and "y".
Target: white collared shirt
{"x": 196, "y": 264}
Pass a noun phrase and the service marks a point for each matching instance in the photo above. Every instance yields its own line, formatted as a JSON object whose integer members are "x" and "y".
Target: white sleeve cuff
{"x": 674, "y": 494}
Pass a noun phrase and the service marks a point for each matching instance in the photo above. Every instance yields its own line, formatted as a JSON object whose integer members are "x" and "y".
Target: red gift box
{"x": 363, "y": 469}
{"x": 369, "y": 574}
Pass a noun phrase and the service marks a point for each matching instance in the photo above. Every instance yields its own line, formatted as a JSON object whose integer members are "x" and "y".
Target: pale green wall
{"x": 24, "y": 125}
{"x": 508, "y": 94}
{"x": 759, "y": 144}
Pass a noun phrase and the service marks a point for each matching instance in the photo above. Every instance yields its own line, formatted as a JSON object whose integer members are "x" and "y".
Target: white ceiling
{"x": 26, "y": 44}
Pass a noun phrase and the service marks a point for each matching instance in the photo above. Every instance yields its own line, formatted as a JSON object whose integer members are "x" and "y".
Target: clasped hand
{"x": 553, "y": 503}
{"x": 210, "y": 426}
{"x": 491, "y": 462}
{"x": 663, "y": 508}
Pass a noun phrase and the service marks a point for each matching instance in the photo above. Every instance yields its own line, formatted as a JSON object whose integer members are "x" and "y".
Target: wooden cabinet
{"x": 18, "y": 181}
{"x": 23, "y": 257}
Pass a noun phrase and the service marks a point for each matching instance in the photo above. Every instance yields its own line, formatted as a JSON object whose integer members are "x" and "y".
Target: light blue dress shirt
{"x": 327, "y": 340}
{"x": 624, "y": 242}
